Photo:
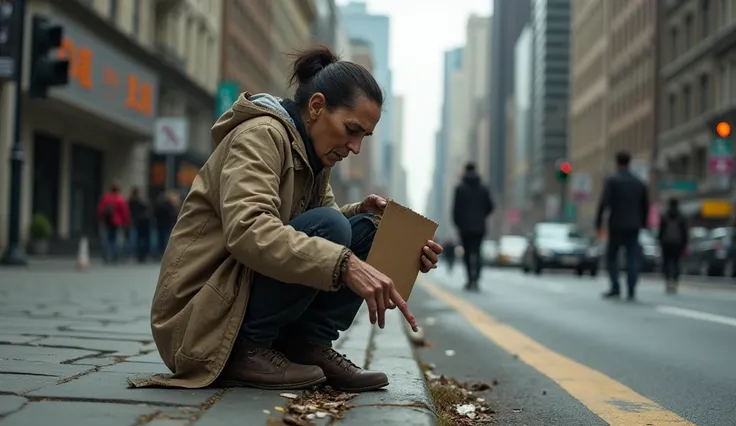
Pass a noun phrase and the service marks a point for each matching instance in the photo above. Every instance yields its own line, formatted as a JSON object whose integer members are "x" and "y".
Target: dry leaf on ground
{"x": 317, "y": 404}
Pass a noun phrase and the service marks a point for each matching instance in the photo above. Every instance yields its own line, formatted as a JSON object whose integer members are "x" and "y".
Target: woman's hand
{"x": 373, "y": 204}
{"x": 377, "y": 290}
{"x": 430, "y": 256}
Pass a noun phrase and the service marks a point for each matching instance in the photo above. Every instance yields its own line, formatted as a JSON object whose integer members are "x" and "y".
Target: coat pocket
{"x": 205, "y": 324}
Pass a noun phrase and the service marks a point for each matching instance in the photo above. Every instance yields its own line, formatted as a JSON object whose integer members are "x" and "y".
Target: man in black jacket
{"x": 471, "y": 207}
{"x": 626, "y": 199}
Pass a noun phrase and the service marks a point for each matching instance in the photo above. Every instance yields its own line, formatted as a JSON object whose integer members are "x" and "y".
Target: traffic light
{"x": 46, "y": 71}
{"x": 563, "y": 172}
{"x": 723, "y": 129}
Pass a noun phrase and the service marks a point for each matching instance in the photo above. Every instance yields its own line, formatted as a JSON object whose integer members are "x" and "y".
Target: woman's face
{"x": 337, "y": 133}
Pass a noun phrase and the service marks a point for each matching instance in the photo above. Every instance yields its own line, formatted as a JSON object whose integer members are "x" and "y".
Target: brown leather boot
{"x": 266, "y": 368}
{"x": 341, "y": 373}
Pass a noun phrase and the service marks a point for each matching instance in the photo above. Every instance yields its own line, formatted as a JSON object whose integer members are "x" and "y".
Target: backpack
{"x": 108, "y": 214}
{"x": 672, "y": 232}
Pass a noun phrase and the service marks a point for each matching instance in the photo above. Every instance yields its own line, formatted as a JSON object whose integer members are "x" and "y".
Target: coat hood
{"x": 249, "y": 106}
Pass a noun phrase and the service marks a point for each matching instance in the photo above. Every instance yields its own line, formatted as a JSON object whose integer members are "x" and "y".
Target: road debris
{"x": 302, "y": 410}
{"x": 456, "y": 402}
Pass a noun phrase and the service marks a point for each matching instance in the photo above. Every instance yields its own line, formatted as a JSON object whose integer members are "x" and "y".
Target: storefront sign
{"x": 720, "y": 157}
{"x": 716, "y": 208}
{"x": 105, "y": 81}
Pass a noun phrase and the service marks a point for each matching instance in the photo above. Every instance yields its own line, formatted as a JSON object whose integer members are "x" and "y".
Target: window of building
{"x": 136, "y": 17}
{"x": 673, "y": 110}
{"x": 704, "y": 92}
{"x": 112, "y": 9}
{"x": 723, "y": 12}
{"x": 673, "y": 46}
{"x": 687, "y": 103}
{"x": 689, "y": 31}
{"x": 705, "y": 17}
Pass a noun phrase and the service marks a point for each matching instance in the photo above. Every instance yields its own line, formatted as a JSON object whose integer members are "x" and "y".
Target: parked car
{"x": 489, "y": 252}
{"x": 559, "y": 245}
{"x": 714, "y": 254}
{"x": 511, "y": 250}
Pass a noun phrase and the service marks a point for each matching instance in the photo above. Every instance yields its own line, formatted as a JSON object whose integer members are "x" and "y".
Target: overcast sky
{"x": 421, "y": 31}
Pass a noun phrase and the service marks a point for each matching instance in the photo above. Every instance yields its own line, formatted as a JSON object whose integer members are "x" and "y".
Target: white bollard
{"x": 83, "y": 254}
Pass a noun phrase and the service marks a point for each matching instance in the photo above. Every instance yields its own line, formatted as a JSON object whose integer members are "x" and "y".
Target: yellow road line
{"x": 613, "y": 402}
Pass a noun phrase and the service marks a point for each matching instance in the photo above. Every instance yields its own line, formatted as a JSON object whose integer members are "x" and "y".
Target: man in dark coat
{"x": 471, "y": 207}
{"x": 673, "y": 237}
{"x": 626, "y": 199}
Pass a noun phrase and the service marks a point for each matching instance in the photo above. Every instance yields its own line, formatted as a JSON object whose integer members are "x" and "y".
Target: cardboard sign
{"x": 397, "y": 246}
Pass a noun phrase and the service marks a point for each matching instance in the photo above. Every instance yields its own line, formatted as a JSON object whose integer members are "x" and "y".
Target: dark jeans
{"x": 293, "y": 311}
{"x": 163, "y": 233}
{"x": 473, "y": 262}
{"x": 110, "y": 246}
{"x": 671, "y": 262}
{"x": 142, "y": 241}
{"x": 629, "y": 240}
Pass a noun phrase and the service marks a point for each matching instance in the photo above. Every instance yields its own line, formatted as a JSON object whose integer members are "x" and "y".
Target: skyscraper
{"x": 374, "y": 29}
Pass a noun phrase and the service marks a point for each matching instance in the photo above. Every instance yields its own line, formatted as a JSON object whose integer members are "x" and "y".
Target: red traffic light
{"x": 566, "y": 168}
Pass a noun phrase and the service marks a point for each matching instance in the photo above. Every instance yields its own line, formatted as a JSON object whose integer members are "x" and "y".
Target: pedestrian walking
{"x": 673, "y": 237}
{"x": 166, "y": 213}
{"x": 449, "y": 253}
{"x": 470, "y": 209}
{"x": 140, "y": 230}
{"x": 113, "y": 215}
{"x": 626, "y": 199}
{"x": 263, "y": 270}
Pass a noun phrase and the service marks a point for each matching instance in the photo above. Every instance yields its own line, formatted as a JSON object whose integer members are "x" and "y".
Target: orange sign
{"x": 139, "y": 95}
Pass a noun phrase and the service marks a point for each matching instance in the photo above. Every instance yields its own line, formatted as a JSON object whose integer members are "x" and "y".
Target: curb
{"x": 406, "y": 400}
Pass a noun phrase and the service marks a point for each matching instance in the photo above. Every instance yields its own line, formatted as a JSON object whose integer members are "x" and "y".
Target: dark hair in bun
{"x": 318, "y": 70}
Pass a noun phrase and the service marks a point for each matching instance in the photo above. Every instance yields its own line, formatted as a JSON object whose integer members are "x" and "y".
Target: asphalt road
{"x": 563, "y": 356}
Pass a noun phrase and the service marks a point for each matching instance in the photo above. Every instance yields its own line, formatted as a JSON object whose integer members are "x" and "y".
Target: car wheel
{"x": 594, "y": 272}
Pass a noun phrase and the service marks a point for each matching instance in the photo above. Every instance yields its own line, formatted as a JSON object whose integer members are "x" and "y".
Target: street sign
{"x": 227, "y": 94}
{"x": 679, "y": 185}
{"x": 720, "y": 157}
{"x": 171, "y": 135}
{"x": 8, "y": 38}
{"x": 581, "y": 186}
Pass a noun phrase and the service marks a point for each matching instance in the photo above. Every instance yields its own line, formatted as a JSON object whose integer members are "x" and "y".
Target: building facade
{"x": 698, "y": 89}
{"x": 589, "y": 99}
{"x": 397, "y": 188}
{"x": 99, "y": 127}
{"x": 522, "y": 124}
{"x": 509, "y": 18}
{"x": 551, "y": 39}
{"x": 374, "y": 29}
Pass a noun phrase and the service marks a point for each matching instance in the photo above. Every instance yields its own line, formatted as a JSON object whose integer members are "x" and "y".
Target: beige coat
{"x": 234, "y": 223}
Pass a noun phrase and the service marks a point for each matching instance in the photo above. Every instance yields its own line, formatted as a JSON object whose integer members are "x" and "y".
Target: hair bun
{"x": 310, "y": 62}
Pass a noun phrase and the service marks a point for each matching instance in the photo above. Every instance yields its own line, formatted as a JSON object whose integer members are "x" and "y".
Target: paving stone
{"x": 169, "y": 422}
{"x": 78, "y": 414}
{"x": 152, "y": 357}
{"x": 17, "y": 339}
{"x": 114, "y": 387}
{"x": 10, "y": 403}
{"x": 140, "y": 338}
{"x": 115, "y": 346}
{"x": 243, "y": 404}
{"x": 136, "y": 368}
{"x": 37, "y": 353}
{"x": 96, "y": 362}
{"x": 22, "y": 383}
{"x": 14, "y": 366}
{"x": 404, "y": 416}
{"x": 138, "y": 327}
{"x": 31, "y": 325}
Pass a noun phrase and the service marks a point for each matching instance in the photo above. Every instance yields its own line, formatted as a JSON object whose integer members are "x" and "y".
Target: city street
{"x": 558, "y": 354}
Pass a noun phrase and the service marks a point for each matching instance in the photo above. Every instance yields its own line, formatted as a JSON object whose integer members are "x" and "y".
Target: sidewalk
{"x": 69, "y": 341}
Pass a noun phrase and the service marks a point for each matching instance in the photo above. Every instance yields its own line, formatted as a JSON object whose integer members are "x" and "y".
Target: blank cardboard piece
{"x": 397, "y": 246}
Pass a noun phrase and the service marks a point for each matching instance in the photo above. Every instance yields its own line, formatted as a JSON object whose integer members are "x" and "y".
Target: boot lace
{"x": 339, "y": 359}
{"x": 274, "y": 357}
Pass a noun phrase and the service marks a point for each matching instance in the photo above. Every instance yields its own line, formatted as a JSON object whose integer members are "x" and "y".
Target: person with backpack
{"x": 114, "y": 215}
{"x": 673, "y": 235}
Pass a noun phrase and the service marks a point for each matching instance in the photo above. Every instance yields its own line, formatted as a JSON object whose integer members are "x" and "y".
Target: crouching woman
{"x": 263, "y": 269}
